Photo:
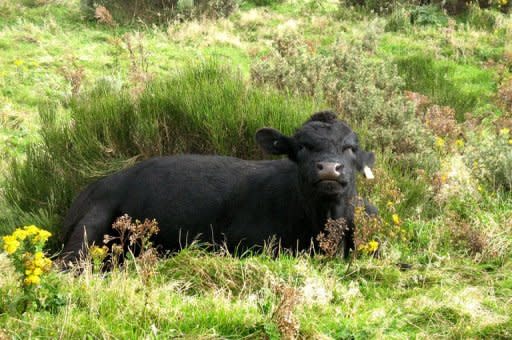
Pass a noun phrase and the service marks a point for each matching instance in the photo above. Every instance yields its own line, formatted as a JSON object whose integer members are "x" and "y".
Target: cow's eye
{"x": 350, "y": 148}
{"x": 308, "y": 146}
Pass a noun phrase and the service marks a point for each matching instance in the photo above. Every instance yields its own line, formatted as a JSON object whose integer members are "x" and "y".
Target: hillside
{"x": 430, "y": 92}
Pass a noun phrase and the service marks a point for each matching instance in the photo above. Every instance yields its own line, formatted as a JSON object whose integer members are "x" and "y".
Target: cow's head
{"x": 326, "y": 152}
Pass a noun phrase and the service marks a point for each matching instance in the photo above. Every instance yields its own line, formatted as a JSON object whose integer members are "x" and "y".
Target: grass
{"x": 64, "y": 83}
{"x": 444, "y": 298}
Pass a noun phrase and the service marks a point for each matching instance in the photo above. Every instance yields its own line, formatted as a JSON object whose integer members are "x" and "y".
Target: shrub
{"x": 481, "y": 18}
{"x": 399, "y": 20}
{"x": 200, "y": 109}
{"x": 376, "y": 6}
{"x": 264, "y": 2}
{"x": 160, "y": 11}
{"x": 366, "y": 92}
{"x": 490, "y": 157}
{"x": 428, "y": 15}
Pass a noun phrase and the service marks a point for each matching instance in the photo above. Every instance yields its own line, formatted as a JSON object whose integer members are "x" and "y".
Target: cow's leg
{"x": 88, "y": 230}
{"x": 348, "y": 240}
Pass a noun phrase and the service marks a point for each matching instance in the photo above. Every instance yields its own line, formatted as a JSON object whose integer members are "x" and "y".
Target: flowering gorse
{"x": 25, "y": 248}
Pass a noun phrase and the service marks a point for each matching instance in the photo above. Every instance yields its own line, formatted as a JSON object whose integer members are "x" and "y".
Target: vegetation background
{"x": 87, "y": 88}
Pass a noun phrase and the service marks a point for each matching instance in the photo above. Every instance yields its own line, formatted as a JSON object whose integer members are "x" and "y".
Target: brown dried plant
{"x": 138, "y": 75}
{"x": 330, "y": 241}
{"x": 134, "y": 238}
{"x": 103, "y": 16}
{"x": 74, "y": 74}
{"x": 283, "y": 316}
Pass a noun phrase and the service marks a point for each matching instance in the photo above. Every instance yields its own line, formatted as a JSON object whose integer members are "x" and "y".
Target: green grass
{"x": 372, "y": 298}
{"x": 194, "y": 102}
{"x": 466, "y": 88}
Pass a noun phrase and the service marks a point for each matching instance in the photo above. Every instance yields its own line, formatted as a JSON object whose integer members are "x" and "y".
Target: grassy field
{"x": 433, "y": 99}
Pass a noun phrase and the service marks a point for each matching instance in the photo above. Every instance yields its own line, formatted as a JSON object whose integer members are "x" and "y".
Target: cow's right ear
{"x": 275, "y": 143}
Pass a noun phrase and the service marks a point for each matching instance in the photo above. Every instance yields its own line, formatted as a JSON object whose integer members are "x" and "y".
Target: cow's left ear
{"x": 364, "y": 163}
{"x": 275, "y": 143}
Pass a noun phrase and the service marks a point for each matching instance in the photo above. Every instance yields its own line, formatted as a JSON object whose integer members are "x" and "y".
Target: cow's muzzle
{"x": 329, "y": 171}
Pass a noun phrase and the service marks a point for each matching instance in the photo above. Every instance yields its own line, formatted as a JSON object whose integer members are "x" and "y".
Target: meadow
{"x": 429, "y": 91}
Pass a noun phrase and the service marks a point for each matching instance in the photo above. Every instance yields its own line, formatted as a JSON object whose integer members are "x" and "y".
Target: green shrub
{"x": 366, "y": 92}
{"x": 490, "y": 157}
{"x": 428, "y": 15}
{"x": 200, "y": 109}
{"x": 264, "y": 2}
{"x": 160, "y": 11}
{"x": 478, "y": 18}
{"x": 399, "y": 20}
{"x": 376, "y": 6}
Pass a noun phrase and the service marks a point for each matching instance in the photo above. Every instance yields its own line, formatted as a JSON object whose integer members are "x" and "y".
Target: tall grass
{"x": 463, "y": 88}
{"x": 203, "y": 108}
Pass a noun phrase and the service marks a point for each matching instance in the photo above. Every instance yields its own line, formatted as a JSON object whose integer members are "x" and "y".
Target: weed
{"x": 489, "y": 155}
{"x": 505, "y": 95}
{"x": 25, "y": 249}
{"x": 283, "y": 316}
{"x": 103, "y": 16}
{"x": 330, "y": 241}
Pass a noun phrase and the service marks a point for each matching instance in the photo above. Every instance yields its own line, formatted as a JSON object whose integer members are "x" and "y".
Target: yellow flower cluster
{"x": 35, "y": 266}
{"x": 28, "y": 241}
{"x": 459, "y": 143}
{"x": 37, "y": 236}
{"x": 396, "y": 219}
{"x": 98, "y": 253}
{"x": 440, "y": 142}
{"x": 369, "y": 248}
{"x": 11, "y": 244}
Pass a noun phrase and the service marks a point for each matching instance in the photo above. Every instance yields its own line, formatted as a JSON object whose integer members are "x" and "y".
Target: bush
{"x": 490, "y": 157}
{"x": 366, "y": 92}
{"x": 399, "y": 20}
{"x": 264, "y": 2}
{"x": 481, "y": 18}
{"x": 428, "y": 15}
{"x": 160, "y": 11}
{"x": 201, "y": 109}
{"x": 376, "y": 6}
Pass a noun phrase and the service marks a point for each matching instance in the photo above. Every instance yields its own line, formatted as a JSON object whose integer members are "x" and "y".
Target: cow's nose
{"x": 329, "y": 170}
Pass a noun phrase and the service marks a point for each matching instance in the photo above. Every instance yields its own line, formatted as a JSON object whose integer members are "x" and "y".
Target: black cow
{"x": 239, "y": 202}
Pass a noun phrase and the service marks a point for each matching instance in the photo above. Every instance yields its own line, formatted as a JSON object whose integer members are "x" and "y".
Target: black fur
{"x": 224, "y": 199}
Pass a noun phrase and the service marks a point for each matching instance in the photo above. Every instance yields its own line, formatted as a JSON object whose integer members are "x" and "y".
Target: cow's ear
{"x": 275, "y": 143}
{"x": 365, "y": 161}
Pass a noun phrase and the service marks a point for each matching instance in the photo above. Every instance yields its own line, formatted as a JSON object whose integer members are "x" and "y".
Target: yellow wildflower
{"x": 504, "y": 131}
{"x": 32, "y": 280}
{"x": 396, "y": 219}
{"x": 18, "y": 62}
{"x": 510, "y": 141}
{"x": 31, "y": 230}
{"x": 10, "y": 244}
{"x": 41, "y": 236}
{"x": 20, "y": 234}
{"x": 98, "y": 252}
{"x": 373, "y": 246}
{"x": 459, "y": 143}
{"x": 439, "y": 142}
{"x": 35, "y": 271}
{"x": 389, "y": 204}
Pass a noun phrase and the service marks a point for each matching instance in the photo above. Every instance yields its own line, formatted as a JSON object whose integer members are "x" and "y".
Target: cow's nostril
{"x": 319, "y": 166}
{"x": 338, "y": 167}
